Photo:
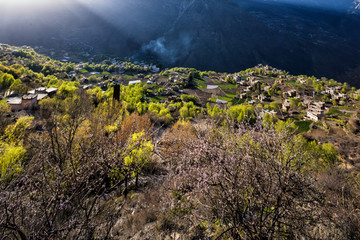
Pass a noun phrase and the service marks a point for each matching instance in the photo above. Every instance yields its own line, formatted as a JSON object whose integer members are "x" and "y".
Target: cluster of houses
{"x": 315, "y": 110}
{"x": 31, "y": 100}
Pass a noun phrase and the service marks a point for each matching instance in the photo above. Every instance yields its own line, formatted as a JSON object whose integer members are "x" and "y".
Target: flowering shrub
{"x": 246, "y": 183}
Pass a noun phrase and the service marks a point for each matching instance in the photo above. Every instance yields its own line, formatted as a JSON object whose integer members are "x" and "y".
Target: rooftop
{"x": 14, "y": 100}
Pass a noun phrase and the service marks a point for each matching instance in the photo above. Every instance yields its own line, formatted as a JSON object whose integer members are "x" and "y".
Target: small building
{"x": 248, "y": 89}
{"x": 237, "y": 77}
{"x": 42, "y": 96}
{"x": 290, "y": 94}
{"x": 243, "y": 96}
{"x": 317, "y": 105}
{"x": 314, "y": 114}
{"x": 306, "y": 102}
{"x": 286, "y": 105}
{"x": 242, "y": 83}
{"x": 27, "y": 102}
{"x": 211, "y": 87}
{"x": 315, "y": 111}
{"x": 15, "y": 103}
{"x": 134, "y": 82}
{"x": 301, "y": 80}
{"x": 263, "y": 98}
{"x": 267, "y": 88}
{"x": 330, "y": 90}
{"x": 221, "y": 101}
{"x": 49, "y": 91}
{"x": 155, "y": 69}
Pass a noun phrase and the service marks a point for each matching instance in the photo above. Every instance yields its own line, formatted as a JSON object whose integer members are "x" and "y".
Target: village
{"x": 279, "y": 93}
{"x": 321, "y": 109}
{"x": 316, "y": 105}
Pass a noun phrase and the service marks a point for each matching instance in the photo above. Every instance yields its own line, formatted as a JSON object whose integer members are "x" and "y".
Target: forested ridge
{"x": 87, "y": 163}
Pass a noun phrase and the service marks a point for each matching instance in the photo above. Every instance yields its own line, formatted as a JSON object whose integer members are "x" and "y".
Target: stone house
{"x": 291, "y": 94}
{"x": 286, "y": 105}
{"x": 27, "y": 102}
{"x": 315, "y": 111}
{"x": 263, "y": 98}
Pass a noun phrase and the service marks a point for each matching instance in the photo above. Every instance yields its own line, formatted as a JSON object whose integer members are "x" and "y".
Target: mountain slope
{"x": 224, "y": 36}
{"x": 314, "y": 36}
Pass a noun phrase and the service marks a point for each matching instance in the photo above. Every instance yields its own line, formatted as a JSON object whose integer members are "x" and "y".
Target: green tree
{"x": 329, "y": 154}
{"x": 189, "y": 98}
{"x": 67, "y": 89}
{"x": 242, "y": 113}
{"x": 12, "y": 153}
{"x": 4, "y": 120}
{"x": 16, "y": 132}
{"x": 6, "y": 80}
{"x": 18, "y": 87}
{"x": 188, "y": 110}
{"x": 11, "y": 158}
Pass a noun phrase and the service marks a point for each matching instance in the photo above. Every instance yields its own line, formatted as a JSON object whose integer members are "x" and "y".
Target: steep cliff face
{"x": 318, "y": 37}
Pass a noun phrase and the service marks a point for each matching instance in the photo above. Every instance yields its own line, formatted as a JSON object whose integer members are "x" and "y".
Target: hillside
{"x": 111, "y": 149}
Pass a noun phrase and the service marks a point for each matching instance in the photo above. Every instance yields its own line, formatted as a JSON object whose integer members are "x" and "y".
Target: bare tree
{"x": 248, "y": 182}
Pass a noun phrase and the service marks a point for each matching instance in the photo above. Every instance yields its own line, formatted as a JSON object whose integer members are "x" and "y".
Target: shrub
{"x": 189, "y": 98}
{"x": 253, "y": 183}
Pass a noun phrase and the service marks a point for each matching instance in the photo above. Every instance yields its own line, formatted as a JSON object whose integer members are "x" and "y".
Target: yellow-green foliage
{"x": 67, "y": 89}
{"x": 215, "y": 111}
{"x": 15, "y": 133}
{"x": 11, "y": 150}
{"x": 329, "y": 154}
{"x": 111, "y": 128}
{"x": 139, "y": 150}
{"x": 96, "y": 93}
{"x": 4, "y": 110}
{"x": 282, "y": 125}
{"x": 137, "y": 156}
{"x": 188, "y": 110}
{"x": 176, "y": 106}
{"x": 132, "y": 94}
{"x": 295, "y": 103}
{"x": 53, "y": 81}
{"x": 6, "y": 80}
{"x": 242, "y": 113}
{"x": 160, "y": 110}
{"x": 11, "y": 157}
{"x": 142, "y": 107}
{"x": 323, "y": 156}
{"x": 269, "y": 120}
{"x": 15, "y": 83}
{"x": 188, "y": 98}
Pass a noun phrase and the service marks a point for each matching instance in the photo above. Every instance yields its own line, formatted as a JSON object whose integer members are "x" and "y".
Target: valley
{"x": 180, "y": 119}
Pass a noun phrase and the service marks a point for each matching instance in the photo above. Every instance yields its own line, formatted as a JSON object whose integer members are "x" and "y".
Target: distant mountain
{"x": 319, "y": 37}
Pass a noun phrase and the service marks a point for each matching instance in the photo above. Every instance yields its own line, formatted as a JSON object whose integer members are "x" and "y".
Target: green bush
{"x": 189, "y": 98}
